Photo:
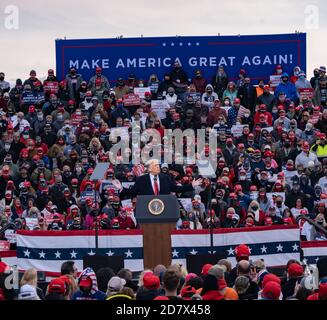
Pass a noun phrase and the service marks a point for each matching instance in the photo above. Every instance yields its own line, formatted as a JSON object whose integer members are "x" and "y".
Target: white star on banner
{"x": 317, "y": 259}
{"x": 91, "y": 253}
{"x": 197, "y": 43}
{"x": 73, "y": 254}
{"x": 181, "y": 44}
{"x": 279, "y": 248}
{"x": 305, "y": 261}
{"x": 110, "y": 253}
{"x": 128, "y": 254}
{"x": 212, "y": 252}
{"x": 164, "y": 44}
{"x": 193, "y": 252}
{"x": 189, "y": 44}
{"x": 250, "y": 249}
{"x": 175, "y": 253}
{"x": 295, "y": 247}
{"x": 27, "y": 253}
{"x": 263, "y": 249}
{"x": 172, "y": 44}
{"x": 57, "y": 254}
{"x": 42, "y": 254}
{"x": 230, "y": 251}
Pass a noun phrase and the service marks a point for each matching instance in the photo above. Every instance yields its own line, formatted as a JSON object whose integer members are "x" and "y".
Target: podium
{"x": 157, "y": 216}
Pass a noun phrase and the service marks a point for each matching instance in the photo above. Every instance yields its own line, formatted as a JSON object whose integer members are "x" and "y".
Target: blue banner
{"x": 257, "y": 54}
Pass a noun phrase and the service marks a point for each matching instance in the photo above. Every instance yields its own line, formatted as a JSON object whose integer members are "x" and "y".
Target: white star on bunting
{"x": 57, "y": 254}
{"x": 110, "y": 253}
{"x": 279, "y": 248}
{"x": 42, "y": 254}
{"x": 193, "y": 252}
{"x": 230, "y": 251}
{"x": 91, "y": 253}
{"x": 27, "y": 253}
{"x": 128, "y": 254}
{"x": 263, "y": 249}
{"x": 175, "y": 253}
{"x": 295, "y": 247}
{"x": 73, "y": 254}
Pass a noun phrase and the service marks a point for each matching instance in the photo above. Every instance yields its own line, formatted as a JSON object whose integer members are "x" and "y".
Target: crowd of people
{"x": 272, "y": 172}
{"x": 248, "y": 280}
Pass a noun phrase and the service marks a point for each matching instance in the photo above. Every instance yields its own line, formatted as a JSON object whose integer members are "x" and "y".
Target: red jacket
{"x": 212, "y": 295}
{"x": 268, "y": 117}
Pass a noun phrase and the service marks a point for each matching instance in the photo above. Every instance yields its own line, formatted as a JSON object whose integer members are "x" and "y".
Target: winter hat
{"x": 271, "y": 290}
{"x": 190, "y": 276}
{"x": 295, "y": 270}
{"x": 116, "y": 283}
{"x": 27, "y": 292}
{"x": 242, "y": 251}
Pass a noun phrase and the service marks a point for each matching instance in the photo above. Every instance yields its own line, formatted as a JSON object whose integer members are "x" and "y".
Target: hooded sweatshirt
{"x": 95, "y": 293}
{"x": 208, "y": 99}
{"x": 288, "y": 88}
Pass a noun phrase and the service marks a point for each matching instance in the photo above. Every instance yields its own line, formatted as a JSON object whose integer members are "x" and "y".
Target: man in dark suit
{"x": 155, "y": 183}
{"x": 248, "y": 95}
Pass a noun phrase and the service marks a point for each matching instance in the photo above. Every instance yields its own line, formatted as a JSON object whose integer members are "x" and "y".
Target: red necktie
{"x": 155, "y": 185}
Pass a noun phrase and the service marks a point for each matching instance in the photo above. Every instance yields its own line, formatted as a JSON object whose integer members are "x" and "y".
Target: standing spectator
{"x": 99, "y": 76}
{"x": 74, "y": 81}
{"x": 248, "y": 94}
{"x": 199, "y": 81}
{"x": 220, "y": 81}
{"x": 287, "y": 87}
{"x": 4, "y": 85}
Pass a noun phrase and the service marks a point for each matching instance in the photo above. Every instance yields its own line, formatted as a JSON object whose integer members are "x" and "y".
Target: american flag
{"x": 276, "y": 244}
{"x": 47, "y": 250}
{"x": 313, "y": 250}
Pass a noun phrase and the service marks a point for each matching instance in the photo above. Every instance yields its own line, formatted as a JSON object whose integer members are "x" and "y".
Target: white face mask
{"x": 242, "y": 178}
{"x": 7, "y": 146}
{"x": 246, "y": 115}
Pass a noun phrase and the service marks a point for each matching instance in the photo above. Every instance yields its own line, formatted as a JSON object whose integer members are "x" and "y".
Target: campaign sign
{"x": 160, "y": 107}
{"x": 51, "y": 86}
{"x": 32, "y": 97}
{"x": 306, "y": 93}
{"x": 131, "y": 100}
{"x": 257, "y": 54}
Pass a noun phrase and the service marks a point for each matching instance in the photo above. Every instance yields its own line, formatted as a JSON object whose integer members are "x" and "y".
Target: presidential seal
{"x": 156, "y": 207}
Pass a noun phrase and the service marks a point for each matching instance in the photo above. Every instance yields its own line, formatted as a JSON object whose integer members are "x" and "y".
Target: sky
{"x": 32, "y": 45}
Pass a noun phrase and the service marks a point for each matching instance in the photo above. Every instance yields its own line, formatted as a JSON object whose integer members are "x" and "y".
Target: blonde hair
{"x": 29, "y": 277}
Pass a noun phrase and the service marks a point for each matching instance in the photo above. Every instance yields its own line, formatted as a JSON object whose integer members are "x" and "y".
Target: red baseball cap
{"x": 206, "y": 268}
{"x": 57, "y": 286}
{"x": 151, "y": 282}
{"x": 271, "y": 290}
{"x": 242, "y": 251}
{"x": 295, "y": 270}
{"x": 85, "y": 281}
{"x": 270, "y": 277}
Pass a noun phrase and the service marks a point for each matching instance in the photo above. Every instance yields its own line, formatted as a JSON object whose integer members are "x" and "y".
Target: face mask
{"x": 209, "y": 91}
{"x": 227, "y": 103}
{"x": 171, "y": 93}
{"x": 60, "y": 118}
{"x": 287, "y": 144}
{"x": 7, "y": 147}
{"x": 254, "y": 208}
{"x": 242, "y": 178}
{"x": 246, "y": 115}
{"x": 40, "y": 117}
{"x": 25, "y": 136}
{"x": 141, "y": 85}
{"x": 73, "y": 73}
{"x": 279, "y": 203}
{"x": 97, "y": 119}
{"x": 2, "y": 78}
{"x": 67, "y": 173}
{"x": 274, "y": 111}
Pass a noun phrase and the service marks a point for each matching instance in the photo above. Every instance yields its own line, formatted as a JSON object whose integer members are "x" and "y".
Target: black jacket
{"x": 143, "y": 186}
